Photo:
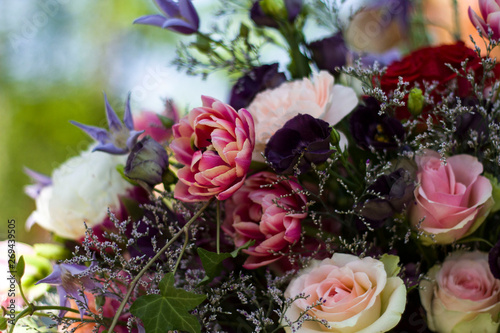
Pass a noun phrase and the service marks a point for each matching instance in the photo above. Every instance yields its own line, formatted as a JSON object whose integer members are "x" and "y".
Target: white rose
{"x": 358, "y": 295}
{"x": 461, "y": 295}
{"x": 83, "y": 188}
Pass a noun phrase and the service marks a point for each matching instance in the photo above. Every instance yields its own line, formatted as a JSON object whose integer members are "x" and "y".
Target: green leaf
{"x": 390, "y": 264}
{"x": 169, "y": 310}
{"x": 3, "y": 323}
{"x": 212, "y": 262}
{"x": 20, "y": 269}
{"x": 165, "y": 121}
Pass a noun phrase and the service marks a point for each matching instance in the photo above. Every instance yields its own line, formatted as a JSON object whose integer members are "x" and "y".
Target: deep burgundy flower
{"x": 330, "y": 52}
{"x": 471, "y": 122}
{"x": 301, "y": 141}
{"x": 389, "y": 195}
{"x": 494, "y": 260}
{"x": 258, "y": 79}
{"x": 370, "y": 129}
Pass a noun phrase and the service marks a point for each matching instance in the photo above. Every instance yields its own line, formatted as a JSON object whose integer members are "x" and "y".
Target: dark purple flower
{"x": 494, "y": 260}
{"x": 70, "y": 279}
{"x": 147, "y": 162}
{"x": 40, "y": 180}
{"x": 387, "y": 196}
{"x": 120, "y": 138}
{"x": 180, "y": 17}
{"x": 329, "y": 53}
{"x": 301, "y": 141}
{"x": 370, "y": 129}
{"x": 263, "y": 18}
{"x": 472, "y": 122}
{"x": 257, "y": 80}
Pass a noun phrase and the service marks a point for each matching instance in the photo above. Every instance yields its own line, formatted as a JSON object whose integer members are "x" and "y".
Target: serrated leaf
{"x": 169, "y": 310}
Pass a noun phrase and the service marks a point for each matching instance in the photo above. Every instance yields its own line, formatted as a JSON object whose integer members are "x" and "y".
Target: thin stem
{"x": 22, "y": 293}
{"x": 218, "y": 226}
{"x": 152, "y": 260}
{"x": 30, "y": 310}
{"x": 182, "y": 250}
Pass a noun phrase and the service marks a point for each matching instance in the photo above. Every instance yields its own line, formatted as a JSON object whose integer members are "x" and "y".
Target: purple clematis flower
{"x": 180, "y": 17}
{"x": 41, "y": 181}
{"x": 69, "y": 280}
{"x": 120, "y": 139}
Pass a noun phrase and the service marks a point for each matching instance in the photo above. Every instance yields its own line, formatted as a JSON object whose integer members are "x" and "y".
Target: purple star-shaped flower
{"x": 40, "y": 181}
{"x": 179, "y": 17}
{"x": 69, "y": 280}
{"x": 121, "y": 136}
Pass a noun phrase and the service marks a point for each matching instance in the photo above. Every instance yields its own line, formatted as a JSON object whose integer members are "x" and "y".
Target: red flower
{"x": 429, "y": 64}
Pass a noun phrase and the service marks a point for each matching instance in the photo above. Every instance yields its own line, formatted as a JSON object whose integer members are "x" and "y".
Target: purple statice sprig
{"x": 71, "y": 280}
{"x": 180, "y": 17}
{"x": 120, "y": 138}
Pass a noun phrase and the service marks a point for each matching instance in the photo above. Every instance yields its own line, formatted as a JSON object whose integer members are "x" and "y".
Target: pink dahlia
{"x": 215, "y": 144}
{"x": 268, "y": 211}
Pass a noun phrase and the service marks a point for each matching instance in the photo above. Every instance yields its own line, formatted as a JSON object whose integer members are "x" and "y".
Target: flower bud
{"x": 334, "y": 137}
{"x": 147, "y": 162}
{"x": 273, "y": 8}
{"x": 415, "y": 101}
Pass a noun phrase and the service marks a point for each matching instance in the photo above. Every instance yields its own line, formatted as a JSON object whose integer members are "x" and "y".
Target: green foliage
{"x": 169, "y": 310}
{"x": 212, "y": 262}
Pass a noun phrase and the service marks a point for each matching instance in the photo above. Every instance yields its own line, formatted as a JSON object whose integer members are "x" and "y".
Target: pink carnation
{"x": 215, "y": 144}
{"x": 268, "y": 211}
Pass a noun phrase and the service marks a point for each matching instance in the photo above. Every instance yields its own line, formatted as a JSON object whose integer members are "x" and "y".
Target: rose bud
{"x": 147, "y": 162}
{"x": 302, "y": 140}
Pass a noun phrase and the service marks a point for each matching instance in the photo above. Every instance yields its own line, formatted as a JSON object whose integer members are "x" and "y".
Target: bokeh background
{"x": 57, "y": 57}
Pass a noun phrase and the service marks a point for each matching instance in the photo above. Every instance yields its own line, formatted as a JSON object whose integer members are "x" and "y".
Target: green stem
{"x": 30, "y": 310}
{"x": 151, "y": 262}
{"x": 456, "y": 31}
{"x": 218, "y": 226}
{"x": 182, "y": 250}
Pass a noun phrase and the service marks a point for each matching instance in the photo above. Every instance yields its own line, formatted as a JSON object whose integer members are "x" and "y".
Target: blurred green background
{"x": 57, "y": 57}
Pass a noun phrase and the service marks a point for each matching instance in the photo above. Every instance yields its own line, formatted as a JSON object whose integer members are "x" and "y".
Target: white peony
{"x": 319, "y": 97}
{"x": 83, "y": 188}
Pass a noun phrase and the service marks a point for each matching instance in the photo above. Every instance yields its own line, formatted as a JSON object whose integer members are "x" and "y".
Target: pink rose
{"x": 215, "y": 144}
{"x": 268, "y": 211}
{"x": 461, "y": 295}
{"x": 358, "y": 295}
{"x": 452, "y": 199}
{"x": 318, "y": 97}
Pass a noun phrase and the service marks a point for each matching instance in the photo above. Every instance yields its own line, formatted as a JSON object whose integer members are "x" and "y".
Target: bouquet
{"x": 349, "y": 186}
